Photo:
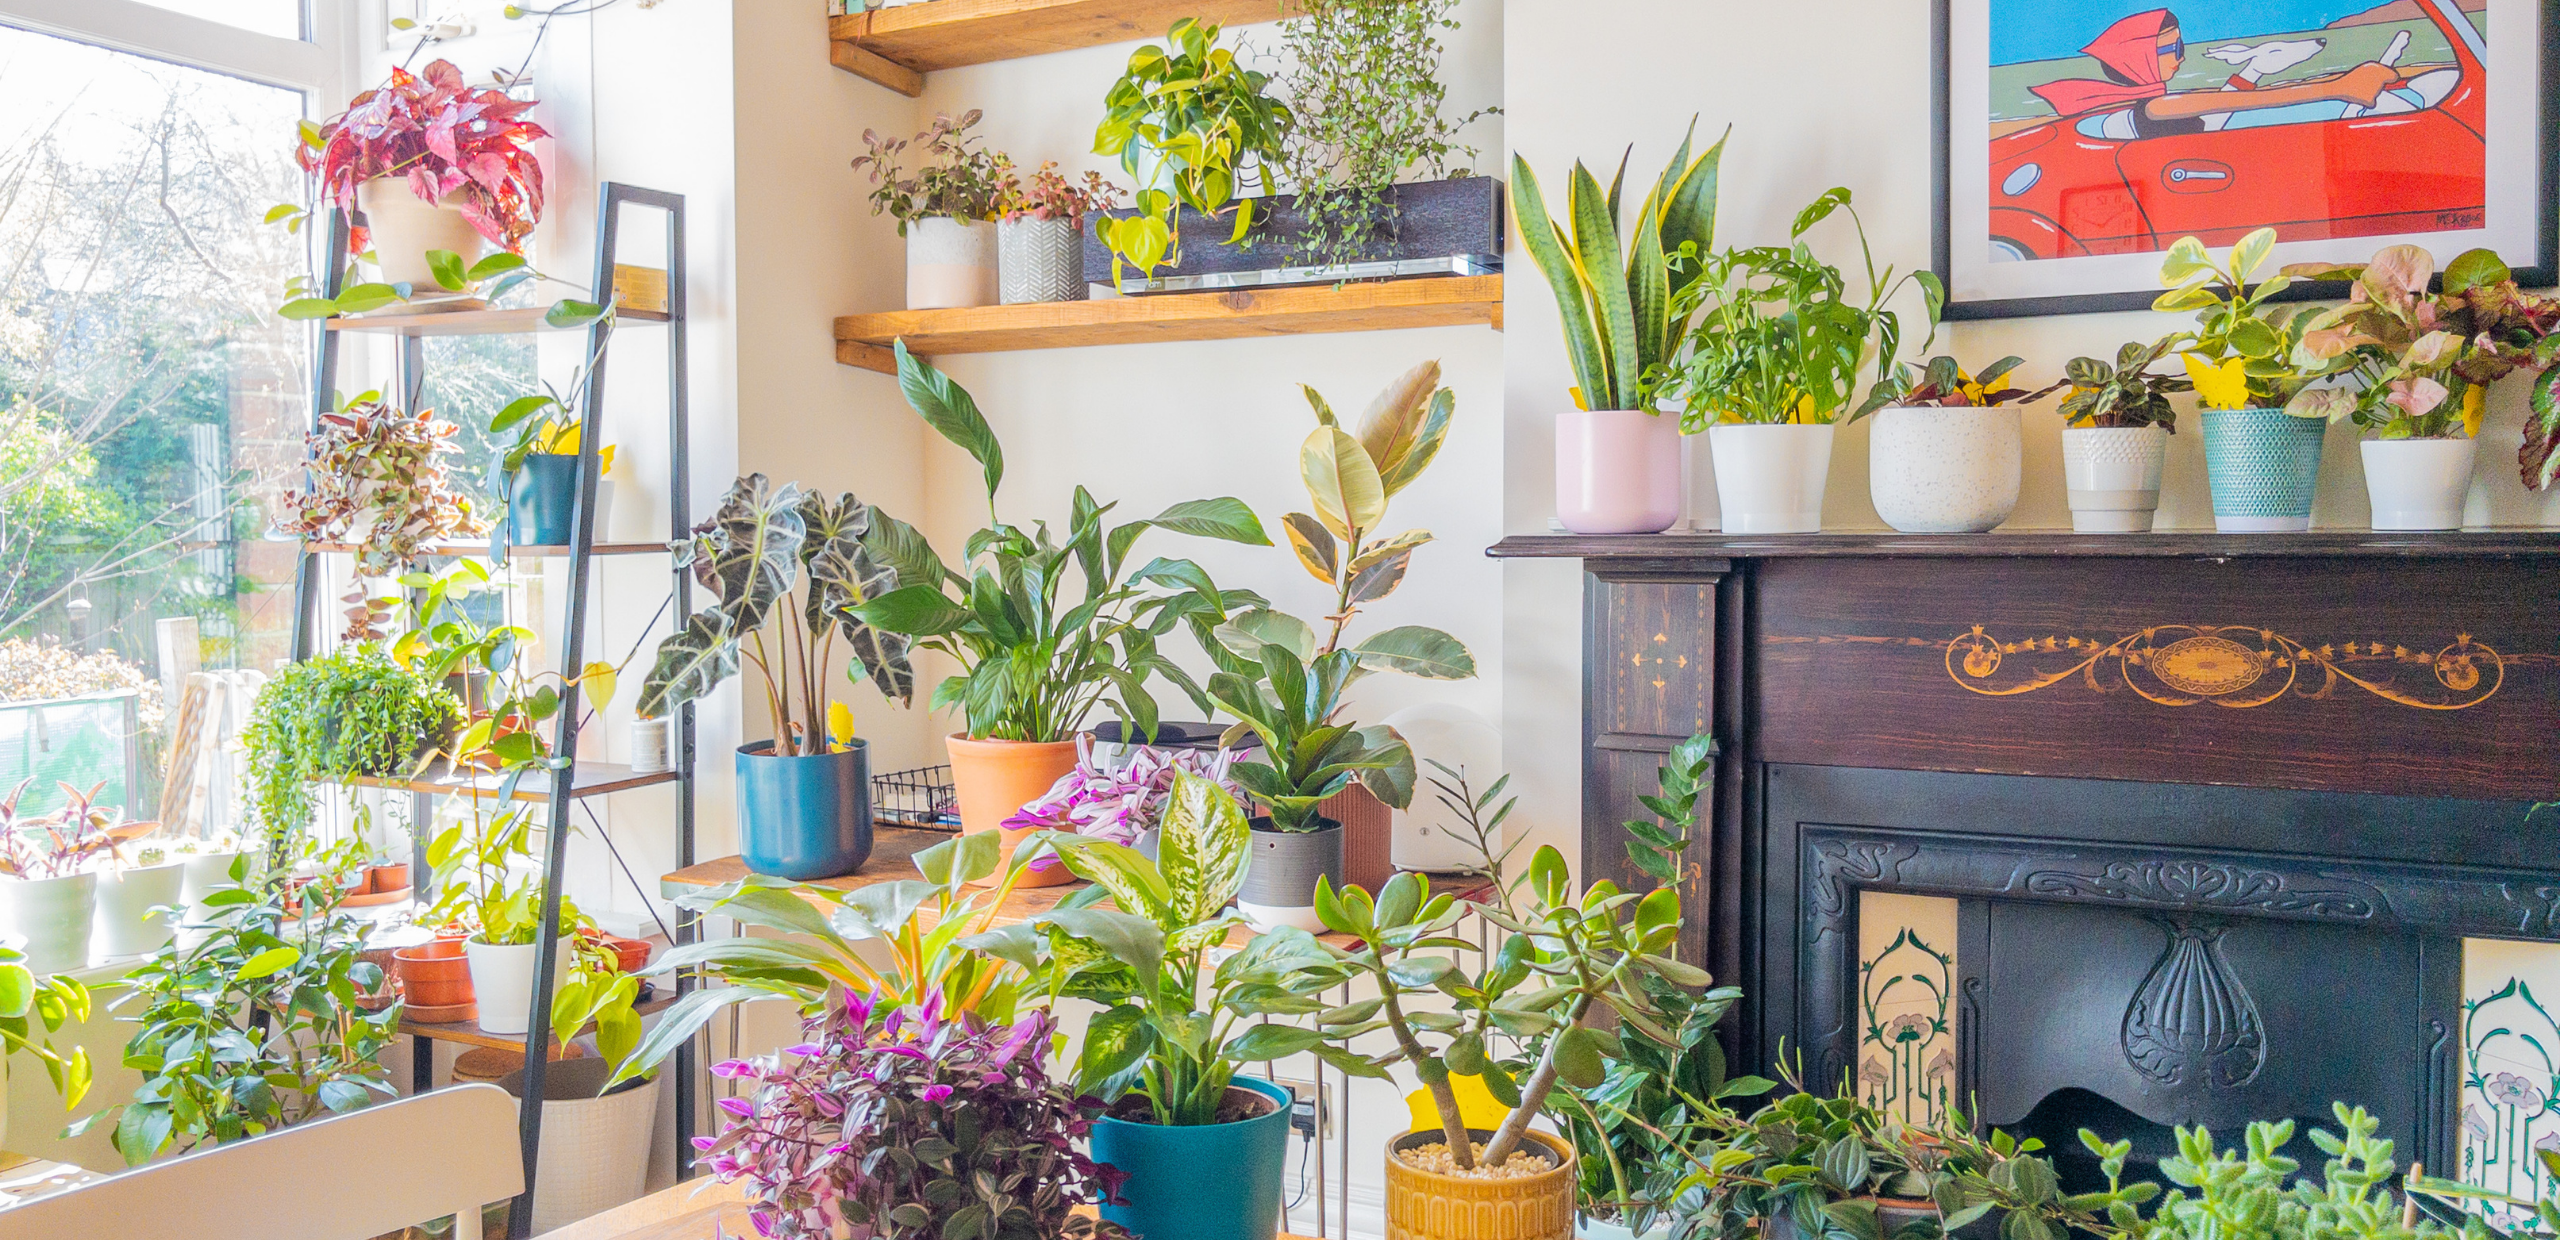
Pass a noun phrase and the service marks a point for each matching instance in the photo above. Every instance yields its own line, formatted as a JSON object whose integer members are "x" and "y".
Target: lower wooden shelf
{"x": 1446, "y": 301}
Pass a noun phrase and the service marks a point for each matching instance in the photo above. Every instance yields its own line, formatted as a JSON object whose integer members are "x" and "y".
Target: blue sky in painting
{"x": 2046, "y": 29}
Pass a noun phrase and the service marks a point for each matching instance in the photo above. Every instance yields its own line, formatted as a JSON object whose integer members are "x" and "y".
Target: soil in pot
{"x": 1426, "y": 1203}
{"x": 1238, "y": 1106}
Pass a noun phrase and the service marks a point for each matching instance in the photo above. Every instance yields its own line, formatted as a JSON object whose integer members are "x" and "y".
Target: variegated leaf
{"x": 748, "y": 553}
{"x": 691, "y": 662}
{"x": 1205, "y": 849}
{"x": 1314, "y": 545}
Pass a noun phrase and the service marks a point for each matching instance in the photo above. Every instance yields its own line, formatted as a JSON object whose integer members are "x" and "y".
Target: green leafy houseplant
{"x": 2421, "y": 363}
{"x": 1943, "y": 383}
{"x": 507, "y": 700}
{"x": 1778, "y": 339}
{"x": 1619, "y": 328}
{"x": 1185, "y": 118}
{"x": 33, "y": 1008}
{"x": 1363, "y": 82}
{"x": 1036, "y": 653}
{"x": 378, "y": 480}
{"x": 255, "y": 1028}
{"x": 2125, "y": 394}
{"x": 2242, "y": 353}
{"x": 1275, "y": 676}
{"x": 350, "y": 712}
{"x": 952, "y": 179}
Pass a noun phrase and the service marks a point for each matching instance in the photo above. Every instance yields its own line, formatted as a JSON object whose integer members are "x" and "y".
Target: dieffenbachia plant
{"x": 1037, "y": 652}
{"x": 778, "y": 553}
{"x": 1275, "y": 676}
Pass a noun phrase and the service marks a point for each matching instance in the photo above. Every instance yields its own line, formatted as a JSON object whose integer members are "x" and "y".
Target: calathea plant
{"x": 2125, "y": 394}
{"x": 1037, "y": 654}
{"x": 1276, "y": 676}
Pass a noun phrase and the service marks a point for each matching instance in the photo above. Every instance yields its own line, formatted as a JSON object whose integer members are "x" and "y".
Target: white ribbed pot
{"x": 405, "y": 227}
{"x": 2418, "y": 484}
{"x": 52, "y": 918}
{"x": 1935, "y": 470}
{"x": 1040, "y": 260}
{"x": 1769, "y": 478}
{"x": 951, "y": 263}
{"x": 502, "y": 982}
{"x": 595, "y": 1151}
{"x": 125, "y": 925}
{"x": 2111, "y": 474}
{"x": 1586, "y": 1227}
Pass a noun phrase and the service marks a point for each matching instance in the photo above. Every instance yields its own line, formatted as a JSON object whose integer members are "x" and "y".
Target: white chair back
{"x": 348, "y": 1177}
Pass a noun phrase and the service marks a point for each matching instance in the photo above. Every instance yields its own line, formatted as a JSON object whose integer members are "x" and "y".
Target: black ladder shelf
{"x": 572, "y": 779}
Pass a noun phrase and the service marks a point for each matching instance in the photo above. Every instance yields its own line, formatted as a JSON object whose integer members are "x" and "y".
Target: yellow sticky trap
{"x": 1476, "y": 1106}
{"x": 839, "y": 726}
{"x": 2473, "y": 398}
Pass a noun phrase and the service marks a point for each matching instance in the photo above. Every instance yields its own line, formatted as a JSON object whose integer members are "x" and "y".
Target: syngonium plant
{"x": 1037, "y": 653}
{"x": 778, "y": 554}
{"x": 1275, "y": 676}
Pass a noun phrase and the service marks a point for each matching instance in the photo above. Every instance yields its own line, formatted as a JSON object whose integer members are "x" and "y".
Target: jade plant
{"x": 351, "y": 712}
{"x": 1187, "y": 119}
{"x": 2126, "y": 394}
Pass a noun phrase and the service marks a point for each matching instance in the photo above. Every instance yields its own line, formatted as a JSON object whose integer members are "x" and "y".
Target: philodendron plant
{"x": 1036, "y": 654}
{"x": 1275, "y": 676}
{"x": 780, "y": 554}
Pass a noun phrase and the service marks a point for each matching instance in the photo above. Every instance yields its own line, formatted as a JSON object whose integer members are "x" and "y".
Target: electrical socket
{"x": 1311, "y": 1112}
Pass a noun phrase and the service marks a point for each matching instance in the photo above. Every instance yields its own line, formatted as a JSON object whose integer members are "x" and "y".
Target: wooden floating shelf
{"x": 864, "y": 339}
{"x": 897, "y": 47}
{"x": 595, "y": 779}
{"x": 474, "y": 551}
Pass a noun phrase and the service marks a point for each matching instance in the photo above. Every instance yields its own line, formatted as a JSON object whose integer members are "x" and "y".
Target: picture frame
{"x": 2041, "y": 210}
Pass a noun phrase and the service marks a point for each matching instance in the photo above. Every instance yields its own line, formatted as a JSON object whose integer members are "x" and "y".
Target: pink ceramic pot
{"x": 1617, "y": 471}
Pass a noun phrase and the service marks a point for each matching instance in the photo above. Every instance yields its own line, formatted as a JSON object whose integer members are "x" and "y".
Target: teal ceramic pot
{"x": 1215, "y": 1182}
{"x": 542, "y": 500}
{"x": 2265, "y": 466}
{"x": 806, "y": 817}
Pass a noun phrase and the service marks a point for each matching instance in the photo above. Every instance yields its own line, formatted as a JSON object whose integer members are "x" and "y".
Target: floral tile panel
{"x": 2510, "y": 1071}
{"x": 1906, "y": 1002}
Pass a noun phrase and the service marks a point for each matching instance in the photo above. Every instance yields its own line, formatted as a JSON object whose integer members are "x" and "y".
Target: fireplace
{"x": 2116, "y": 833}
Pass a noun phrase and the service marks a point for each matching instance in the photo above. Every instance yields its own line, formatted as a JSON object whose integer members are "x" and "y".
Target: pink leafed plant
{"x": 63, "y": 843}
{"x": 378, "y": 480}
{"x": 1119, "y": 801}
{"x": 473, "y": 149}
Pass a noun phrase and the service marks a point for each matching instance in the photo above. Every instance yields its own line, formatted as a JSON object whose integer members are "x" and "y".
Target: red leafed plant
{"x": 471, "y": 147}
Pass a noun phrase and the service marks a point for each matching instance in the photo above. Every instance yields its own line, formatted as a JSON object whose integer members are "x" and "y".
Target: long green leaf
{"x": 1205, "y": 849}
{"x": 949, "y": 408}
{"x": 1544, "y": 240}
{"x": 1599, "y": 260}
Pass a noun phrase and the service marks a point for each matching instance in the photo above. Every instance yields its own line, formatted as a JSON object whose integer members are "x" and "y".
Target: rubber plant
{"x": 1284, "y": 683}
{"x": 1184, "y": 118}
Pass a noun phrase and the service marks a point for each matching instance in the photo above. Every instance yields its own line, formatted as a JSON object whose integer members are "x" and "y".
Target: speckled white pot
{"x": 951, "y": 264}
{"x": 1944, "y": 471}
{"x": 2112, "y": 475}
{"x": 2418, "y": 484}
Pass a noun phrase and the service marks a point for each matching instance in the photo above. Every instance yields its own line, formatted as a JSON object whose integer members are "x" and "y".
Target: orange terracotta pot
{"x": 434, "y": 973}
{"x": 994, "y": 778}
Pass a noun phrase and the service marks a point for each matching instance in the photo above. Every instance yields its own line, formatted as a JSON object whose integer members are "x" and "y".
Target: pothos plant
{"x": 2241, "y": 354}
{"x": 1284, "y": 683}
{"x": 508, "y": 700}
{"x": 377, "y": 478}
{"x": 1185, "y": 118}
{"x": 2126, "y": 394}
{"x": 1363, "y": 82}
{"x": 1037, "y": 651}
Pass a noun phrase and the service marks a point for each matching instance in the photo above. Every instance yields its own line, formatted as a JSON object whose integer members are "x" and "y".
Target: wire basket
{"x": 917, "y": 798}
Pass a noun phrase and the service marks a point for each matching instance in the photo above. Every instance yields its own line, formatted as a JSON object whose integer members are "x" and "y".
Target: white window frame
{"x": 320, "y": 66}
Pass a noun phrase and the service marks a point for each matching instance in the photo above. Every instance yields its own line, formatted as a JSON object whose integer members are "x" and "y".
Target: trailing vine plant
{"x": 1365, "y": 86}
{"x": 350, "y": 712}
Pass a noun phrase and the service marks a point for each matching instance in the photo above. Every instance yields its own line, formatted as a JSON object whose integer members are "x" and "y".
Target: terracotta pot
{"x": 1424, "y": 1205}
{"x": 630, "y": 955}
{"x": 434, "y": 974}
{"x": 385, "y": 879}
{"x": 994, "y": 778}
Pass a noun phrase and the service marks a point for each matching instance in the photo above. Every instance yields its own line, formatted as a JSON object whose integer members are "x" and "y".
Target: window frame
{"x": 319, "y": 66}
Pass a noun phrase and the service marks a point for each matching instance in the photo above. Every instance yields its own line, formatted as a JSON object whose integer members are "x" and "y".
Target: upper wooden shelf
{"x": 594, "y": 779}
{"x": 640, "y": 294}
{"x": 2538, "y": 543}
{"x": 897, "y": 47}
{"x": 864, "y": 339}
{"x": 477, "y": 551}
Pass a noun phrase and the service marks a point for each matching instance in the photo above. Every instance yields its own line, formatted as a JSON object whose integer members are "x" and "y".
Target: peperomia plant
{"x": 378, "y": 479}
{"x": 2126, "y": 394}
{"x": 1037, "y": 654}
{"x": 908, "y": 1123}
{"x": 1186, "y": 118}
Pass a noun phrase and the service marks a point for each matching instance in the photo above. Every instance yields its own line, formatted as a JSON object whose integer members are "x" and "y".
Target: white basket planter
{"x": 2418, "y": 484}
{"x": 1936, "y": 470}
{"x": 405, "y": 227}
{"x": 502, "y": 982}
{"x": 1040, "y": 260}
{"x": 595, "y": 1151}
{"x": 125, "y": 925}
{"x": 951, "y": 263}
{"x": 52, "y": 917}
{"x": 2111, "y": 475}
{"x": 1769, "y": 478}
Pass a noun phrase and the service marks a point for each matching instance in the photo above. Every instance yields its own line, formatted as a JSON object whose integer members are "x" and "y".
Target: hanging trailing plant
{"x": 1365, "y": 87}
{"x": 350, "y": 712}
{"x": 378, "y": 480}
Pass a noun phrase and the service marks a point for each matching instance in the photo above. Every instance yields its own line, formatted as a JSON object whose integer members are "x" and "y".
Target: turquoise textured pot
{"x": 805, "y": 817}
{"x": 542, "y": 501}
{"x": 1214, "y": 1182}
{"x": 2265, "y": 467}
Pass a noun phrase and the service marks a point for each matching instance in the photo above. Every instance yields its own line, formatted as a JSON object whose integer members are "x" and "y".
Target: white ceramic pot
{"x": 52, "y": 919}
{"x": 2112, "y": 476}
{"x": 1265, "y": 917}
{"x": 2418, "y": 484}
{"x": 1040, "y": 260}
{"x": 595, "y": 1151}
{"x": 1617, "y": 471}
{"x": 125, "y": 925}
{"x": 502, "y": 982}
{"x": 950, "y": 263}
{"x": 405, "y": 227}
{"x": 1587, "y": 1228}
{"x": 649, "y": 745}
{"x": 1944, "y": 471}
{"x": 1769, "y": 478}
{"x": 202, "y": 874}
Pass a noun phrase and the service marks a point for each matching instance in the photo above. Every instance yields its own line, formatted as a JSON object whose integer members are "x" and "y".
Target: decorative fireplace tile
{"x": 2510, "y": 1069}
{"x": 1906, "y": 1000}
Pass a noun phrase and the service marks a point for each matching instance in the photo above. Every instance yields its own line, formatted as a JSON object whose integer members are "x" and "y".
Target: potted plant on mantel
{"x": 1618, "y": 459}
{"x": 1040, "y": 234}
{"x": 1774, "y": 360}
{"x": 1285, "y": 685}
{"x": 1945, "y": 455}
{"x": 2115, "y": 437}
{"x": 2261, "y": 445}
{"x": 1037, "y": 657}
{"x": 433, "y": 165}
{"x": 942, "y": 206}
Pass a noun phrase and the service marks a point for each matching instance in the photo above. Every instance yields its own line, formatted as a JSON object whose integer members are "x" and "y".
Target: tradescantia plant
{"x": 1622, "y": 308}
{"x": 1036, "y": 653}
{"x": 801, "y": 563}
{"x": 2126, "y": 394}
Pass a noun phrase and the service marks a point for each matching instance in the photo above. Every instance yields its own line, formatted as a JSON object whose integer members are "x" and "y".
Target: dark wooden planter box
{"x": 1427, "y": 220}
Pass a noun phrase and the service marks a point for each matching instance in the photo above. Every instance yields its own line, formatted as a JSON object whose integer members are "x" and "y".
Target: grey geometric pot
{"x": 1039, "y": 260}
{"x": 1280, "y": 886}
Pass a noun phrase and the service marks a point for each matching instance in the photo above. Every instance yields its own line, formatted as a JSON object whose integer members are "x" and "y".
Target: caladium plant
{"x": 471, "y": 149}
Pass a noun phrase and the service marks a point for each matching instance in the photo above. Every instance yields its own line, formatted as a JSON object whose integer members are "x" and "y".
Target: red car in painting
{"x": 2087, "y": 184}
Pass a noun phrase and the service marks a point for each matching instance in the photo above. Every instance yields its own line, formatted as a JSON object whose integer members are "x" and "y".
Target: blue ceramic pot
{"x": 805, "y": 817}
{"x": 2265, "y": 467}
{"x": 1214, "y": 1182}
{"x": 542, "y": 501}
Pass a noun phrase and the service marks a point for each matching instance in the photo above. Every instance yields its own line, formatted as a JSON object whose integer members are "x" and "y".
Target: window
{"x": 280, "y": 19}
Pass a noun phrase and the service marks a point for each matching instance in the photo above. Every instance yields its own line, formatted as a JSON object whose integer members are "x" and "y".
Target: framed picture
{"x": 2078, "y": 139}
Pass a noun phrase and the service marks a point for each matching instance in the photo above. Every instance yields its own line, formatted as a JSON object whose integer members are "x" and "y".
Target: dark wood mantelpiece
{"x": 2206, "y": 545}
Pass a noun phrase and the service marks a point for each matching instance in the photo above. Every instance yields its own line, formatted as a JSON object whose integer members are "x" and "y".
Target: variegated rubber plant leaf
{"x": 748, "y": 553}
{"x": 842, "y": 576}
{"x": 691, "y": 662}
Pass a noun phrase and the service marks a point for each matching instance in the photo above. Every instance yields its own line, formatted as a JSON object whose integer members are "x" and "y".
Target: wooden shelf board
{"x": 863, "y": 339}
{"x": 594, "y": 779}
{"x": 469, "y": 1033}
{"x": 475, "y": 551}
{"x": 516, "y": 322}
{"x": 897, "y": 47}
